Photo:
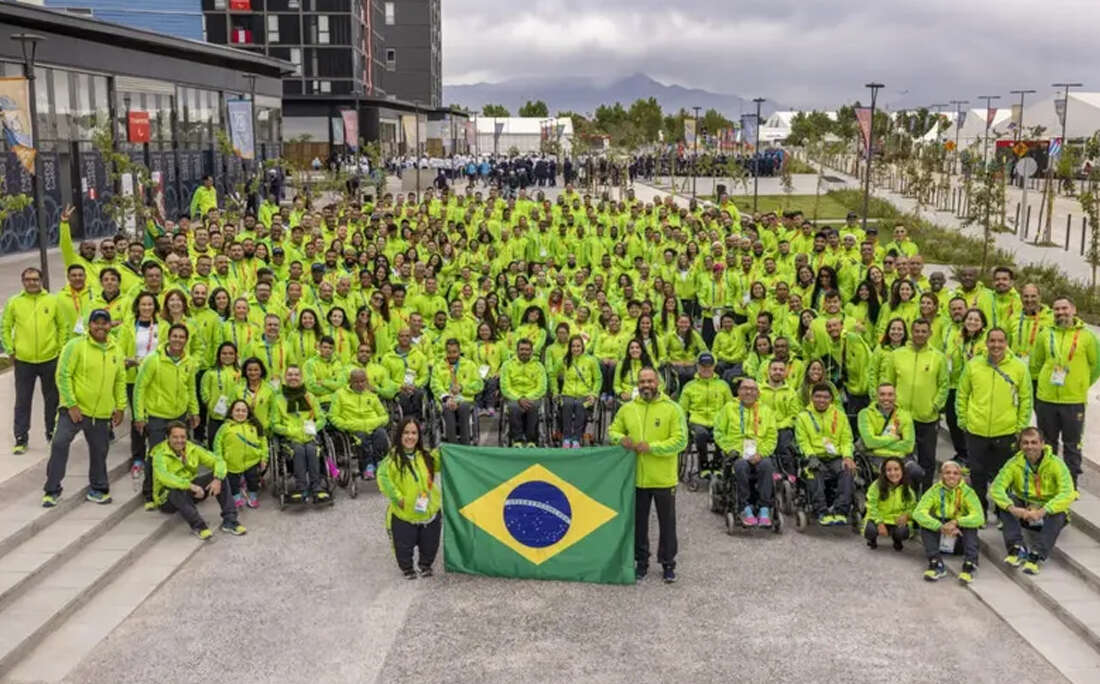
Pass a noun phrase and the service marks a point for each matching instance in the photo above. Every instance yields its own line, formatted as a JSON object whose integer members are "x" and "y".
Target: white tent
{"x": 1082, "y": 115}
{"x": 973, "y": 126}
{"x": 777, "y": 127}
{"x": 525, "y": 133}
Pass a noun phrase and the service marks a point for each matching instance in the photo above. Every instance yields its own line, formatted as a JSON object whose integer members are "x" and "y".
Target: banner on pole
{"x": 351, "y": 129}
{"x": 748, "y": 128}
{"x": 990, "y": 114}
{"x": 863, "y": 115}
{"x": 1060, "y": 110}
{"x": 689, "y": 131}
{"x": 240, "y": 128}
{"x": 15, "y": 117}
{"x": 1055, "y": 149}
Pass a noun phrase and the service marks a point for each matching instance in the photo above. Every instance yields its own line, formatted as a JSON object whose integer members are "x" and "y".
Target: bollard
{"x": 1017, "y": 218}
{"x": 1084, "y": 232}
{"x": 1069, "y": 219}
{"x": 1027, "y": 222}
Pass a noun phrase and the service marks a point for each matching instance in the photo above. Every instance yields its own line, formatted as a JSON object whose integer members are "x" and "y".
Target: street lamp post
{"x": 756, "y": 156}
{"x": 958, "y": 124}
{"x": 875, "y": 87}
{"x": 695, "y": 151}
{"x": 417, "y": 160}
{"x": 251, "y": 78}
{"x": 29, "y": 43}
{"x": 1050, "y": 162}
{"x": 1020, "y": 123}
{"x": 988, "y": 122}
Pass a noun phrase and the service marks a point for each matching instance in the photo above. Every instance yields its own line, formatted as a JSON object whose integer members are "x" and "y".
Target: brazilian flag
{"x": 565, "y": 514}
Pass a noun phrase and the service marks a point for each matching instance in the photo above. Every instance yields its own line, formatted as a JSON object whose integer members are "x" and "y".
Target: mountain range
{"x": 583, "y": 95}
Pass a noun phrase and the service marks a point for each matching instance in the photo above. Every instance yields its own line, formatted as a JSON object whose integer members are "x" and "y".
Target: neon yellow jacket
{"x": 402, "y": 485}
{"x": 322, "y": 378}
{"x": 1047, "y": 484}
{"x": 1074, "y": 349}
{"x": 91, "y": 377}
{"x": 660, "y": 423}
{"x": 31, "y": 327}
{"x": 736, "y": 423}
{"x": 520, "y": 380}
{"x": 165, "y": 387}
{"x": 73, "y": 309}
{"x": 920, "y": 378}
{"x": 784, "y": 403}
{"x": 220, "y": 382}
{"x": 677, "y": 351}
{"x": 353, "y": 411}
{"x": 991, "y": 403}
{"x": 291, "y": 424}
{"x": 412, "y": 366}
{"x": 240, "y": 445}
{"x": 582, "y": 379}
{"x": 900, "y": 501}
{"x": 813, "y": 431}
{"x": 703, "y": 398}
{"x": 885, "y": 436}
{"x": 463, "y": 374}
{"x": 941, "y": 504}
{"x": 172, "y": 472}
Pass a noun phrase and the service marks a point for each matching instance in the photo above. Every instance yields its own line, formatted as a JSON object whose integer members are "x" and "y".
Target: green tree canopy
{"x": 535, "y": 108}
{"x": 494, "y": 110}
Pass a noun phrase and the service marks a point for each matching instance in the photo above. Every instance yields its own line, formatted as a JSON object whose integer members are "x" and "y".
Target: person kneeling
{"x": 745, "y": 431}
{"x": 177, "y": 485}
{"x": 407, "y": 478}
{"x": 824, "y": 438}
{"x": 950, "y": 515}
{"x": 1034, "y": 490}
{"x": 890, "y": 502}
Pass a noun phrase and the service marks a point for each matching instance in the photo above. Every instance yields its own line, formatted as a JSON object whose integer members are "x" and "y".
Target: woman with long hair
{"x": 579, "y": 378}
{"x": 895, "y": 337}
{"x": 864, "y": 307}
{"x": 626, "y": 377}
{"x": 890, "y": 503}
{"x": 406, "y": 477}
{"x": 218, "y": 388}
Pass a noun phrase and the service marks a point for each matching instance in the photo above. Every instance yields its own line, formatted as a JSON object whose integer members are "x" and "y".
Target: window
{"x": 219, "y": 4}
{"x": 389, "y": 14}
{"x": 296, "y": 60}
{"x": 273, "y": 28}
{"x": 391, "y": 59}
{"x": 326, "y": 86}
{"x": 322, "y": 30}
{"x": 293, "y": 4}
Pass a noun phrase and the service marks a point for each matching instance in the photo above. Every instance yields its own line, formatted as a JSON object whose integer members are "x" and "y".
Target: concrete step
{"x": 1056, "y": 642}
{"x": 53, "y": 658}
{"x": 21, "y": 567}
{"x": 1080, "y": 553}
{"x": 42, "y": 608}
{"x": 1085, "y": 514}
{"x": 1066, "y": 595}
{"x": 25, "y": 517}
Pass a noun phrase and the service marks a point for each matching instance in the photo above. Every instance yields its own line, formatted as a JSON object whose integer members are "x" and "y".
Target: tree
{"x": 495, "y": 110}
{"x": 712, "y": 121}
{"x": 537, "y": 108}
{"x": 1090, "y": 203}
{"x": 646, "y": 117}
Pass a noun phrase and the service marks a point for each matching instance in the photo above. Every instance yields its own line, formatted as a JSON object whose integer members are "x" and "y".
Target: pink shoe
{"x": 253, "y": 501}
{"x": 238, "y": 500}
{"x": 747, "y": 518}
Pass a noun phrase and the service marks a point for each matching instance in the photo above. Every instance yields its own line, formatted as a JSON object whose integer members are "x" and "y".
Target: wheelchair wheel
{"x": 786, "y": 496}
{"x": 859, "y": 507}
{"x": 714, "y": 496}
{"x": 777, "y": 523}
{"x": 801, "y": 520}
{"x": 731, "y": 523}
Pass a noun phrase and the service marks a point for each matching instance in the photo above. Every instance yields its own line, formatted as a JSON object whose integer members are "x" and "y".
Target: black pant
{"x": 370, "y": 448}
{"x": 1013, "y": 530}
{"x": 212, "y": 426}
{"x": 966, "y": 543}
{"x": 702, "y": 436}
{"x": 251, "y": 477}
{"x": 987, "y": 455}
{"x": 183, "y": 501}
{"x": 958, "y": 437}
{"x": 856, "y": 403}
{"x": 156, "y": 431}
{"x": 307, "y": 467}
{"x": 523, "y": 425}
{"x": 898, "y": 533}
{"x": 96, "y": 431}
{"x": 784, "y": 451}
{"x": 412, "y": 405}
{"x": 487, "y": 398}
{"x": 25, "y": 375}
{"x": 1068, "y": 422}
{"x": 831, "y": 470}
{"x": 665, "y": 499}
{"x": 407, "y": 536}
{"x": 574, "y": 418}
{"x": 137, "y": 440}
{"x": 761, "y": 474}
{"x": 457, "y": 420}
{"x": 926, "y": 449}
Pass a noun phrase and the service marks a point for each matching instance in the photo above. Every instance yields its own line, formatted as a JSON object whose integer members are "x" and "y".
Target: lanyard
{"x": 151, "y": 339}
{"x": 813, "y": 419}
{"x": 943, "y": 502}
{"x": 1034, "y": 328}
{"x": 1027, "y": 477}
{"x": 1072, "y": 346}
{"x": 756, "y": 420}
{"x": 267, "y": 348}
{"x": 892, "y": 419}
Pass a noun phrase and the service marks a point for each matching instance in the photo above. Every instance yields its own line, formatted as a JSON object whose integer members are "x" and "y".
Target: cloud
{"x": 803, "y": 53}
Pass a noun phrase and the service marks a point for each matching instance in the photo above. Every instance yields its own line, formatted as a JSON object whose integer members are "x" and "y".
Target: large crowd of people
{"x": 764, "y": 356}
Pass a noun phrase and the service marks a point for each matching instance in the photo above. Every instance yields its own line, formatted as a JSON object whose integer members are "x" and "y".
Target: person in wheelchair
{"x": 323, "y": 374}
{"x": 777, "y": 393}
{"x": 523, "y": 386}
{"x": 890, "y": 503}
{"x": 886, "y": 431}
{"x": 456, "y": 383}
{"x": 408, "y": 369}
{"x": 359, "y": 413}
{"x": 703, "y": 399}
{"x": 950, "y": 515}
{"x": 378, "y": 378}
{"x": 824, "y": 440}
{"x": 1034, "y": 490}
{"x": 746, "y": 434}
{"x": 298, "y": 420}
{"x": 580, "y": 378}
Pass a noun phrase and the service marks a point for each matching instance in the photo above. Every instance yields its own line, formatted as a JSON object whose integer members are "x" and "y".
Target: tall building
{"x": 412, "y": 33}
{"x": 181, "y": 18}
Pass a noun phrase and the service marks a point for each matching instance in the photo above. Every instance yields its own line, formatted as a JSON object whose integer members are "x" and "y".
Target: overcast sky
{"x": 801, "y": 53}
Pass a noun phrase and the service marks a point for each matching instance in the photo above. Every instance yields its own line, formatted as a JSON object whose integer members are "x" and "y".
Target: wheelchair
{"x": 436, "y": 429}
{"x": 595, "y": 417}
{"x": 724, "y": 499}
{"x": 343, "y": 454}
{"x": 545, "y": 423}
{"x": 690, "y": 463}
{"x": 797, "y": 498}
{"x": 281, "y": 468}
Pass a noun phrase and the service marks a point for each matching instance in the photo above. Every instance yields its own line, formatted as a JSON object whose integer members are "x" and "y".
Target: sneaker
{"x": 566, "y": 444}
{"x": 872, "y": 544}
{"x": 640, "y": 571}
{"x": 50, "y": 500}
{"x": 532, "y": 445}
{"x": 839, "y": 519}
{"x": 235, "y": 528}
{"x": 238, "y": 500}
{"x": 492, "y": 413}
{"x": 1016, "y": 556}
{"x": 765, "y": 517}
{"x": 253, "y": 500}
{"x": 426, "y": 572}
{"x": 966, "y": 576}
{"x": 368, "y": 474}
{"x": 321, "y": 497}
{"x": 704, "y": 474}
{"x": 576, "y": 444}
{"x": 668, "y": 574}
{"x": 824, "y": 520}
{"x": 410, "y": 574}
{"x": 1031, "y": 567}
{"x": 935, "y": 571}
{"x": 19, "y": 449}
{"x": 297, "y": 497}
{"x": 150, "y": 505}
{"x": 203, "y": 533}
{"x": 747, "y": 518}
{"x": 898, "y": 545}
{"x": 96, "y": 496}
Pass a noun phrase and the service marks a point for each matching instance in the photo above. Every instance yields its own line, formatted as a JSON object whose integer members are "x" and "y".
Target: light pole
{"x": 988, "y": 122}
{"x": 695, "y": 151}
{"x": 29, "y": 43}
{"x": 875, "y": 87}
{"x": 1050, "y": 162}
{"x": 1020, "y": 123}
{"x": 958, "y": 124}
{"x": 251, "y": 78}
{"x": 756, "y": 156}
{"x": 417, "y": 162}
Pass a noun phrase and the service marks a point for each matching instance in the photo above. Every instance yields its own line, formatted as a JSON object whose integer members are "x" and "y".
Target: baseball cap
{"x": 278, "y": 250}
{"x": 706, "y": 359}
{"x": 318, "y": 267}
{"x": 852, "y": 215}
{"x": 100, "y": 313}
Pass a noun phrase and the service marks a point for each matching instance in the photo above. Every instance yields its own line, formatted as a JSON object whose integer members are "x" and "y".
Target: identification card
{"x": 716, "y": 319}
{"x": 79, "y": 327}
{"x": 1058, "y": 376}
{"x": 221, "y": 406}
{"x": 748, "y": 448}
{"x": 309, "y": 427}
{"x": 483, "y": 371}
{"x": 830, "y": 448}
{"x": 634, "y": 393}
{"x": 542, "y": 252}
{"x": 421, "y": 505}
{"x": 274, "y": 382}
{"x": 410, "y": 377}
{"x": 947, "y": 544}
{"x": 746, "y": 298}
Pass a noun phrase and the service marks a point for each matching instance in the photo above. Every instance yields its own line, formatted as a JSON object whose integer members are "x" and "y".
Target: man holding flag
{"x": 653, "y": 426}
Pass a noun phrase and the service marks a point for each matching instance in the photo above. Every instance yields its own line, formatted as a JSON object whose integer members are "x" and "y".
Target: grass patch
{"x": 827, "y": 207}
{"x": 799, "y": 166}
